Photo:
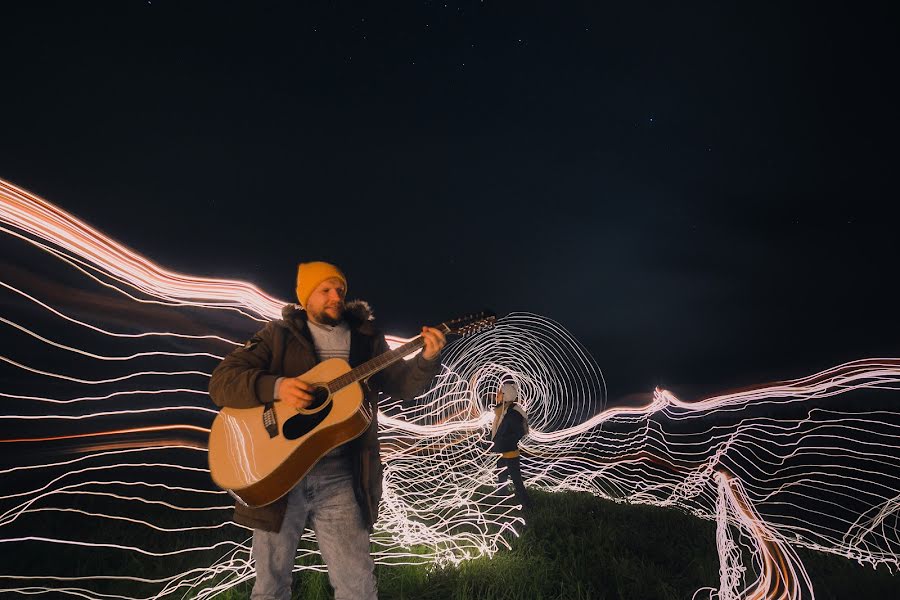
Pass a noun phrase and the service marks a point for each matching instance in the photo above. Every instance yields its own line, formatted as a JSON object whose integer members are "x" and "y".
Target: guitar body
{"x": 260, "y": 468}
{"x": 258, "y": 455}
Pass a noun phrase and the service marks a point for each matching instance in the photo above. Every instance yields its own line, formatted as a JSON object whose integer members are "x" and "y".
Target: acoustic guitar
{"x": 259, "y": 454}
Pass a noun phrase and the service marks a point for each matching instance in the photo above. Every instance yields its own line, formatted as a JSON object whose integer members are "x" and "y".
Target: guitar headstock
{"x": 469, "y": 324}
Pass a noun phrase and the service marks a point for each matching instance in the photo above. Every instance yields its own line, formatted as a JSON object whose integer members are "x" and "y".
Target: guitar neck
{"x": 379, "y": 363}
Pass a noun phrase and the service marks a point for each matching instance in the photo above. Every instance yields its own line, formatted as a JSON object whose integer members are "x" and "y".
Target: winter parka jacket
{"x": 510, "y": 426}
{"x": 284, "y": 348}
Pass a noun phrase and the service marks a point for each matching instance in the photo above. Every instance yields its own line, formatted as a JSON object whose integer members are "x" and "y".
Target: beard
{"x": 326, "y": 318}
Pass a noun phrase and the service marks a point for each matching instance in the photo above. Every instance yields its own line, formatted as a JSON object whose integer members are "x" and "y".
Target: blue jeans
{"x": 326, "y": 497}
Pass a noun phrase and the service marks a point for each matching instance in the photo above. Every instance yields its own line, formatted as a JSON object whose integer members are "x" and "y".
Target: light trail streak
{"x": 105, "y": 397}
{"x": 779, "y": 573}
{"x": 111, "y": 333}
{"x": 811, "y": 462}
{"x": 113, "y": 413}
{"x": 88, "y": 270}
{"x": 98, "y": 381}
{"x": 42, "y": 220}
{"x": 133, "y": 356}
{"x": 155, "y": 429}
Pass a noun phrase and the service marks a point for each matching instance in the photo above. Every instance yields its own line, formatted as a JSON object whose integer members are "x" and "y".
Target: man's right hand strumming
{"x": 295, "y": 392}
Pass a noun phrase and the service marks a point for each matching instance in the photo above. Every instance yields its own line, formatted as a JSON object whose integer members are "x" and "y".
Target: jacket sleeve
{"x": 405, "y": 379}
{"x": 242, "y": 379}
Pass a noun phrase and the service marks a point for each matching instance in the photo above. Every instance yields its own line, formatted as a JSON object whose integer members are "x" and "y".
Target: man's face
{"x": 500, "y": 396}
{"x": 326, "y": 303}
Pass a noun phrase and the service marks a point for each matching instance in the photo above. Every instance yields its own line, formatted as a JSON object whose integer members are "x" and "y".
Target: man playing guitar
{"x": 339, "y": 495}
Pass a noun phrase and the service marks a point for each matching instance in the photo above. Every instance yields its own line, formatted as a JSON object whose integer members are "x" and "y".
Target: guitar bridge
{"x": 270, "y": 421}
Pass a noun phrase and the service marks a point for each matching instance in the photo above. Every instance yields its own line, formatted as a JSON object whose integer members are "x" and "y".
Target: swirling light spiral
{"x": 106, "y": 417}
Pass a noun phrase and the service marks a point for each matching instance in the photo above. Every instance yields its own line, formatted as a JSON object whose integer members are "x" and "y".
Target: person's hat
{"x": 311, "y": 274}
{"x": 510, "y": 392}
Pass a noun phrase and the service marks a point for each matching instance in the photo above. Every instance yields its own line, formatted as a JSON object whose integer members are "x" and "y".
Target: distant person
{"x": 510, "y": 426}
{"x": 339, "y": 497}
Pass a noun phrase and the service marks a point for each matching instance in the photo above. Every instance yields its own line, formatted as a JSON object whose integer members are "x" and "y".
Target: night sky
{"x": 704, "y": 196}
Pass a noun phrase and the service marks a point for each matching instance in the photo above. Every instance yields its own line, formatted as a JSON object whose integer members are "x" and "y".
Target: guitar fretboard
{"x": 370, "y": 367}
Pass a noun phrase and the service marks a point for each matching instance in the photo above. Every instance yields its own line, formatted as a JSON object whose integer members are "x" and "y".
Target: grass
{"x": 575, "y": 547}
{"x": 580, "y": 547}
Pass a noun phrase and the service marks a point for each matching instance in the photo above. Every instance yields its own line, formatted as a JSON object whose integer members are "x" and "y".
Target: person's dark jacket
{"x": 284, "y": 348}
{"x": 512, "y": 428}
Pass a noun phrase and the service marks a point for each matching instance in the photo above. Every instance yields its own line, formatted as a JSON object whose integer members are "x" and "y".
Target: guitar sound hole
{"x": 320, "y": 396}
{"x": 300, "y": 424}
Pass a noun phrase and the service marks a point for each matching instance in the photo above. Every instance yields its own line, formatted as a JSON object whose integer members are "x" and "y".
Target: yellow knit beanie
{"x": 311, "y": 274}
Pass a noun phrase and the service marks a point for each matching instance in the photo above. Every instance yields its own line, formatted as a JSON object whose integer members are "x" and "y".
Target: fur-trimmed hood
{"x": 357, "y": 313}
